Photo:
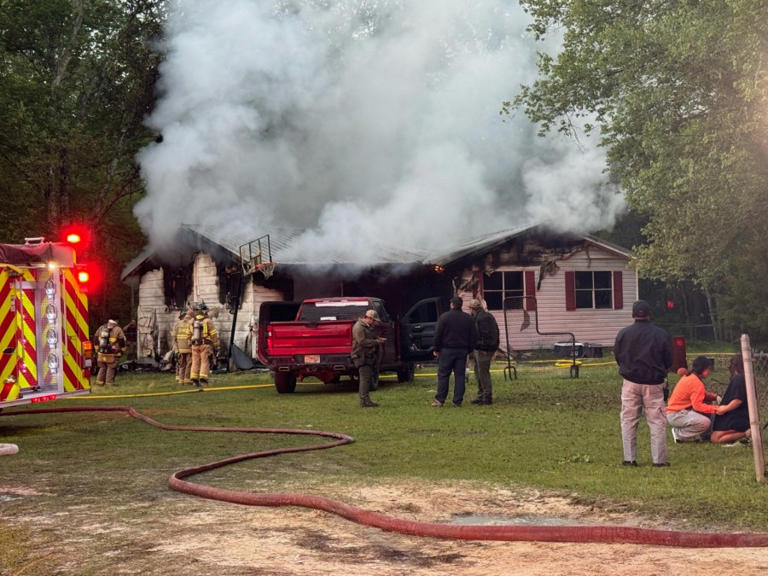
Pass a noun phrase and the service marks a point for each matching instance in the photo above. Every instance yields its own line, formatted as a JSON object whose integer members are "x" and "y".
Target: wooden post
{"x": 754, "y": 417}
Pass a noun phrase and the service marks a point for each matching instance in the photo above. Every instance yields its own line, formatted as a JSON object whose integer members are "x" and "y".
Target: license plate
{"x": 312, "y": 359}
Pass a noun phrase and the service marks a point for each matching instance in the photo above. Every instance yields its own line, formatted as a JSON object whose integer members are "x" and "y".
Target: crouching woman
{"x": 689, "y": 407}
{"x": 733, "y": 425}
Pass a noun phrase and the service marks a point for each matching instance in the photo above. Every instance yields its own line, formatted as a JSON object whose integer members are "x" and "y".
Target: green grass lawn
{"x": 545, "y": 430}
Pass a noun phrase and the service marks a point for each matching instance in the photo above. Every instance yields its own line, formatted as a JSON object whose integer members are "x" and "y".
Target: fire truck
{"x": 46, "y": 351}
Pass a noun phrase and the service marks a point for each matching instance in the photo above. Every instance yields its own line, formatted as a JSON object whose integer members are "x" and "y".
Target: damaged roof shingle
{"x": 281, "y": 241}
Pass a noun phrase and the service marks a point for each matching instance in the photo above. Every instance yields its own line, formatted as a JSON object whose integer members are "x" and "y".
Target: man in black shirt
{"x": 455, "y": 338}
{"x": 644, "y": 354}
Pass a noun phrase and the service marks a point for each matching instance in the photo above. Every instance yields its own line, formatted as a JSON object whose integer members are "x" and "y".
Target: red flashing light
{"x": 670, "y": 304}
{"x": 679, "y": 342}
{"x": 88, "y": 276}
{"x": 77, "y": 235}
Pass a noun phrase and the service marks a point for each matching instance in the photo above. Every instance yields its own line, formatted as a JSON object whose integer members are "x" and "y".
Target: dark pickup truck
{"x": 313, "y": 338}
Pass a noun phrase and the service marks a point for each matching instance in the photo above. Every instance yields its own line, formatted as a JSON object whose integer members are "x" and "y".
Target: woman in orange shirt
{"x": 690, "y": 405}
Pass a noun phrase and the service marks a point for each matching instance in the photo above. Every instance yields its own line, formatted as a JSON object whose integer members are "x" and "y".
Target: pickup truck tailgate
{"x": 292, "y": 338}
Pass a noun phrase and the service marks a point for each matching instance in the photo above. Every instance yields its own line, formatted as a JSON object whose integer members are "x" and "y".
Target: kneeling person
{"x": 690, "y": 404}
{"x": 733, "y": 425}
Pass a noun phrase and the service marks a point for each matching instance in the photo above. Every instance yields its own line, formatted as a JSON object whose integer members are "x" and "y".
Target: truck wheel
{"x": 405, "y": 372}
{"x": 285, "y": 382}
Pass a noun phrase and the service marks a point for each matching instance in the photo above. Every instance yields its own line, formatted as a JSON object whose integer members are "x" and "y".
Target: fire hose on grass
{"x": 578, "y": 534}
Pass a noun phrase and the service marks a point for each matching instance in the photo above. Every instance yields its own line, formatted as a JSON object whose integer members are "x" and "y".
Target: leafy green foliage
{"x": 678, "y": 91}
{"x": 77, "y": 79}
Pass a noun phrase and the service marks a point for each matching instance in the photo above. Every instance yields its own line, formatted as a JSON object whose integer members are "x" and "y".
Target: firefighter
{"x": 110, "y": 342}
{"x": 205, "y": 340}
{"x": 182, "y": 345}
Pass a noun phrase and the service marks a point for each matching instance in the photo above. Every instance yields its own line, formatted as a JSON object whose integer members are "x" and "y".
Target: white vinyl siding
{"x": 590, "y": 325}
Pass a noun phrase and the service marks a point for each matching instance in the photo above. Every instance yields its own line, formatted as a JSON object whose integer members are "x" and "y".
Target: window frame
{"x": 593, "y": 290}
{"x": 506, "y": 292}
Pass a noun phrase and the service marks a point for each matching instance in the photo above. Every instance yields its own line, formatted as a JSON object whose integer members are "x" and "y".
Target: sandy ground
{"x": 186, "y": 535}
{"x": 298, "y": 542}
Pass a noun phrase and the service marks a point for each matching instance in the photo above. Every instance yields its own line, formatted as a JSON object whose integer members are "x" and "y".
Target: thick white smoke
{"x": 368, "y": 123}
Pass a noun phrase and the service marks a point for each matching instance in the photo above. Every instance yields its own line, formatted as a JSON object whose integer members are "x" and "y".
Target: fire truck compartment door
{"x": 417, "y": 329}
{"x": 49, "y": 318}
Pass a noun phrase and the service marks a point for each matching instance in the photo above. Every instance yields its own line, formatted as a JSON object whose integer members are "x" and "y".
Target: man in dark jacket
{"x": 644, "y": 354}
{"x": 455, "y": 338}
{"x": 487, "y": 344}
{"x": 365, "y": 351}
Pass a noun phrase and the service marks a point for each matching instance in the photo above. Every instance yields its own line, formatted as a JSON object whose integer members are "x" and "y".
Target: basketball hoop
{"x": 253, "y": 254}
{"x": 266, "y": 269}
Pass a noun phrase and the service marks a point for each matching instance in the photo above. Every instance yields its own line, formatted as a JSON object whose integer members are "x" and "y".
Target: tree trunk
{"x": 52, "y": 199}
{"x": 713, "y": 317}
{"x": 64, "y": 202}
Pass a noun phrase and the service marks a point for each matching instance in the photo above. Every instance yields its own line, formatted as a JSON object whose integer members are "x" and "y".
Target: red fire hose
{"x": 601, "y": 534}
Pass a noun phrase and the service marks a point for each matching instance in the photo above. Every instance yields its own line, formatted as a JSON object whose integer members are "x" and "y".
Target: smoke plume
{"x": 369, "y": 124}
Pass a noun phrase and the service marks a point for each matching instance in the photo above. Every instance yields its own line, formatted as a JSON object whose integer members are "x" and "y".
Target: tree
{"x": 77, "y": 78}
{"x": 679, "y": 93}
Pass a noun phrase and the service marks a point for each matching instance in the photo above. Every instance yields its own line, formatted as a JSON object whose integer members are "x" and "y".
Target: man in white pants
{"x": 644, "y": 354}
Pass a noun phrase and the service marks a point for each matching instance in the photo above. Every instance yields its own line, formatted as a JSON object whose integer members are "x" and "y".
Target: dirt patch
{"x": 185, "y": 535}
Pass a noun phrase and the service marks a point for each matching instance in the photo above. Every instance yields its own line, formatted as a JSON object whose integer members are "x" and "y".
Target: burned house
{"x": 234, "y": 275}
{"x": 563, "y": 282}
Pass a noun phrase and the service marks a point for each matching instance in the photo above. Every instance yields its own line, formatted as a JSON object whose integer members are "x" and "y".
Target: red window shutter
{"x": 618, "y": 290}
{"x": 570, "y": 290}
{"x": 530, "y": 289}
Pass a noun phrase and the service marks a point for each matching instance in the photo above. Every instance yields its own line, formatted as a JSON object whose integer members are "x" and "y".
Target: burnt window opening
{"x": 177, "y": 285}
{"x": 230, "y": 285}
{"x": 501, "y": 286}
{"x": 594, "y": 290}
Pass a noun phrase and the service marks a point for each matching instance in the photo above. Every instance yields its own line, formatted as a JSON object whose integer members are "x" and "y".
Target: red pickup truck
{"x": 314, "y": 338}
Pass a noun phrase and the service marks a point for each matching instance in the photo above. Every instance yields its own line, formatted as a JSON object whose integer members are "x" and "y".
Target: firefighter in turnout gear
{"x": 205, "y": 340}
{"x": 110, "y": 342}
{"x": 182, "y": 344}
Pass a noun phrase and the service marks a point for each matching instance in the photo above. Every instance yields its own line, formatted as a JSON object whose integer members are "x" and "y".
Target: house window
{"x": 501, "y": 286}
{"x": 594, "y": 290}
{"x": 177, "y": 285}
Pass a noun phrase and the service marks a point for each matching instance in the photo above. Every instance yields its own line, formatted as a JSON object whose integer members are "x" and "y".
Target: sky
{"x": 367, "y": 124}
